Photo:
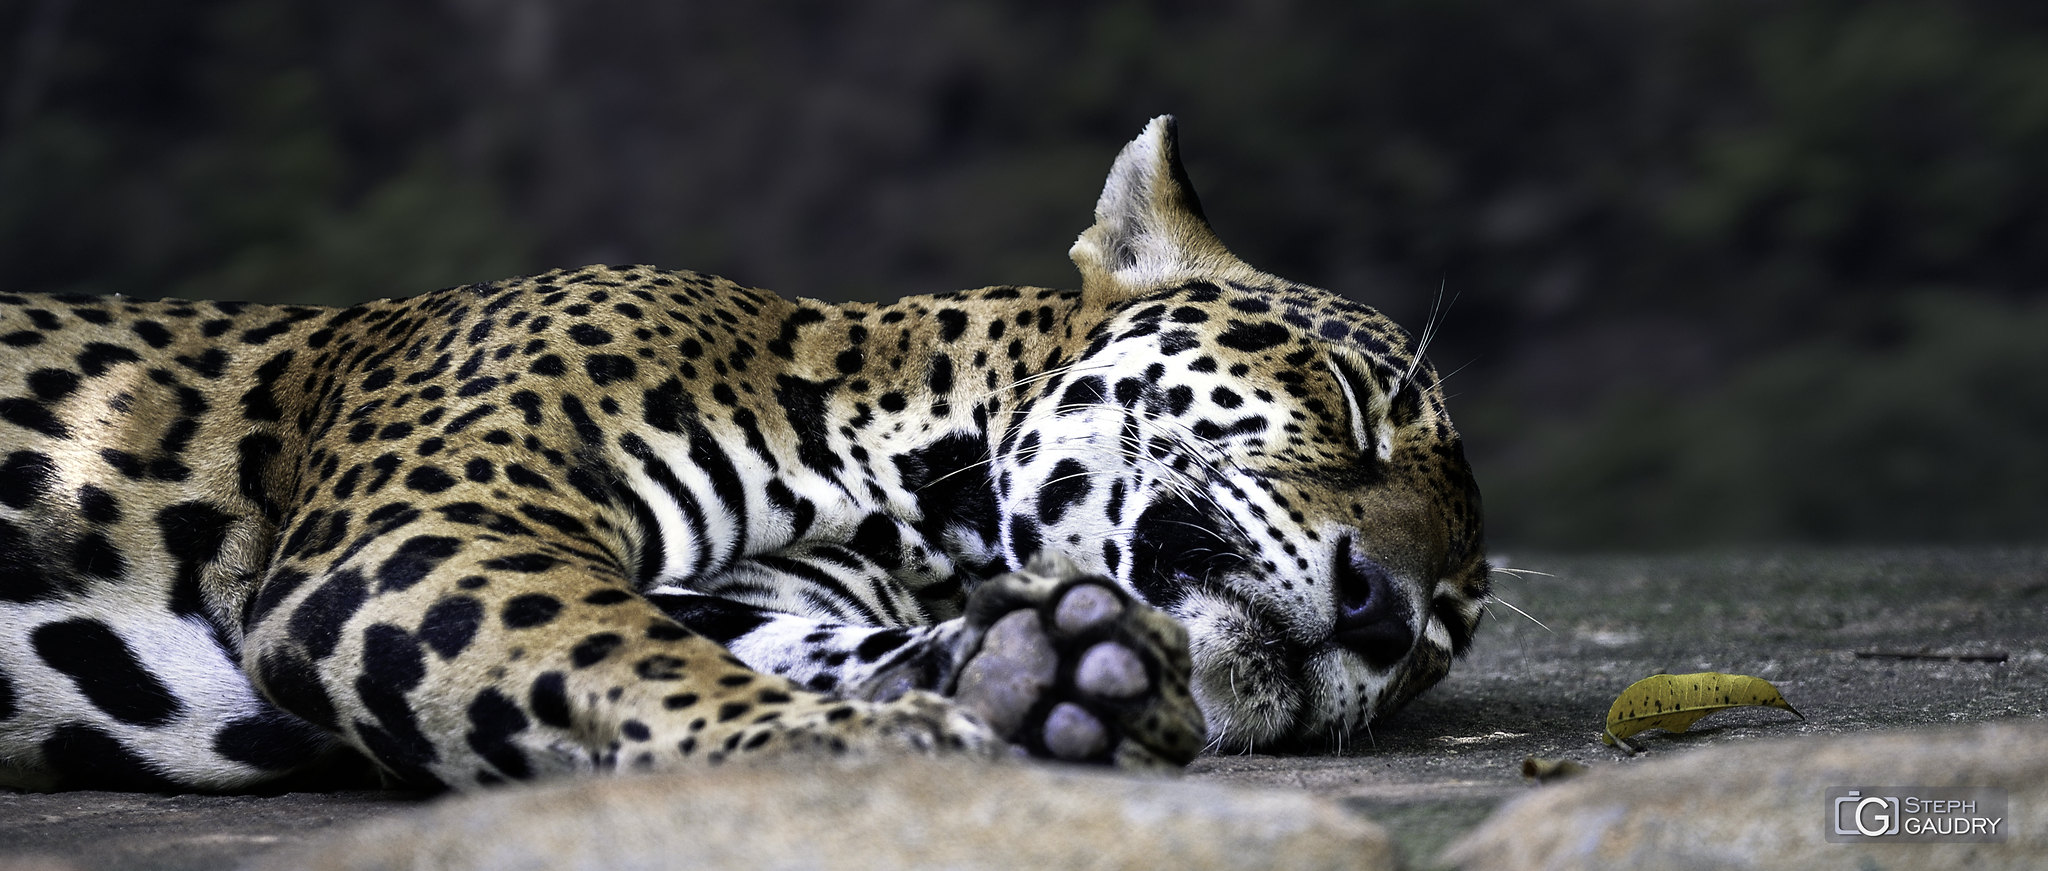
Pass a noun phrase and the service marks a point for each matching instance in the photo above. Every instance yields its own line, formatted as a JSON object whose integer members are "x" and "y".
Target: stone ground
{"x": 1435, "y": 770}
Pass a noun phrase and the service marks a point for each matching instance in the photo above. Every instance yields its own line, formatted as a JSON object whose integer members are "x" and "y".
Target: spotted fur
{"x": 622, "y": 517}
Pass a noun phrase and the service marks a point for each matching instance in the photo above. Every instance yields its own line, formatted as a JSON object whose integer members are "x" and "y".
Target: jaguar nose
{"x": 1372, "y": 615}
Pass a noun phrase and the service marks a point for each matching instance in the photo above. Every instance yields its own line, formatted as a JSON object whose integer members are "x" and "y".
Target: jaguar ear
{"x": 1149, "y": 230}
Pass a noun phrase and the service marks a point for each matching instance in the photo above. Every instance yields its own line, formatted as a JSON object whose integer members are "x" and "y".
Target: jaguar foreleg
{"x": 1060, "y": 664}
{"x": 472, "y": 662}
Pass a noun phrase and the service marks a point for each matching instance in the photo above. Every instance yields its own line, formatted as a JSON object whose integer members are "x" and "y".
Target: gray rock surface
{"x": 1432, "y": 772}
{"x": 1762, "y": 805}
{"x": 920, "y": 814}
{"x": 1798, "y": 618}
{"x": 115, "y": 830}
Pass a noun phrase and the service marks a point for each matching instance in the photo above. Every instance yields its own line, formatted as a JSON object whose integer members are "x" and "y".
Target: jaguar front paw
{"x": 1071, "y": 667}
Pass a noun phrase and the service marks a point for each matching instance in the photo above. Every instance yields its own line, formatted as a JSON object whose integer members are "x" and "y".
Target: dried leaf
{"x": 1673, "y": 702}
{"x": 1544, "y": 769}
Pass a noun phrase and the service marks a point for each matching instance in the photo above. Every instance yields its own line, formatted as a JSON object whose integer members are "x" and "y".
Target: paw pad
{"x": 1087, "y": 607}
{"x": 1072, "y": 733}
{"x": 1112, "y": 670}
{"x": 1014, "y": 670}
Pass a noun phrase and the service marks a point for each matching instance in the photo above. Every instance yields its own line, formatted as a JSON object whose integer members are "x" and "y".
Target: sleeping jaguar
{"x": 620, "y": 518}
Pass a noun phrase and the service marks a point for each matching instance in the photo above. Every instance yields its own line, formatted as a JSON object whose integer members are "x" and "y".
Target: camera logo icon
{"x": 1871, "y": 816}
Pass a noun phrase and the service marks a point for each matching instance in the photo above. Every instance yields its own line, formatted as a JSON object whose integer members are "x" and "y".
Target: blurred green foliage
{"x": 1931, "y": 424}
{"x": 1727, "y": 270}
{"x": 252, "y": 195}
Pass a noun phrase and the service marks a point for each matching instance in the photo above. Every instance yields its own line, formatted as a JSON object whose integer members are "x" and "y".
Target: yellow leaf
{"x": 1673, "y": 702}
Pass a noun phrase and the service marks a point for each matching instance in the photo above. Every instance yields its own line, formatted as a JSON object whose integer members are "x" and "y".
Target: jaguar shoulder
{"x": 627, "y": 518}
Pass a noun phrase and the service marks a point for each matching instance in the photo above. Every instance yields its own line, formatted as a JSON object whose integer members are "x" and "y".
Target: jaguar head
{"x": 1270, "y": 463}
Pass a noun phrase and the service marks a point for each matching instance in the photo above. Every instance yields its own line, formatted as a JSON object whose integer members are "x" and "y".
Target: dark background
{"x": 1726, "y": 271}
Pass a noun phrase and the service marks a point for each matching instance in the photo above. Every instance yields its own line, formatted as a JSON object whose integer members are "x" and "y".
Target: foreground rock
{"x": 906, "y": 814}
{"x": 1763, "y": 805}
